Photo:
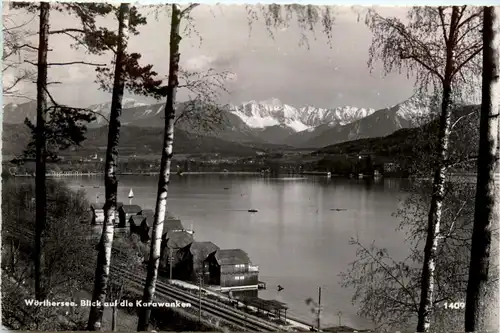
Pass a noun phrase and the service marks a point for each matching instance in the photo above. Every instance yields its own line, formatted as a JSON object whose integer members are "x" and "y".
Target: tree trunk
{"x": 41, "y": 151}
{"x": 434, "y": 220}
{"x": 110, "y": 180}
{"x": 113, "y": 319}
{"x": 438, "y": 187}
{"x": 166, "y": 159}
{"x": 487, "y": 200}
{"x": 12, "y": 257}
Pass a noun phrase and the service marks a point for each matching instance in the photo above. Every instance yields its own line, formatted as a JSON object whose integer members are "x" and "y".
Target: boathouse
{"x": 126, "y": 211}
{"x": 147, "y": 213}
{"x": 193, "y": 259}
{"x": 150, "y": 213}
{"x": 172, "y": 224}
{"x": 146, "y": 230}
{"x": 143, "y": 226}
{"x": 169, "y": 224}
{"x": 97, "y": 212}
{"x": 134, "y": 224}
{"x": 172, "y": 242}
{"x": 232, "y": 270}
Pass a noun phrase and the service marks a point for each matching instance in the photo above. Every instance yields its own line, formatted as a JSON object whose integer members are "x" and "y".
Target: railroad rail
{"x": 225, "y": 313}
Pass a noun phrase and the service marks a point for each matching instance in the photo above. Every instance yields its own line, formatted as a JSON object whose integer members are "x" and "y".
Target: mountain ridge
{"x": 273, "y": 112}
{"x": 265, "y": 122}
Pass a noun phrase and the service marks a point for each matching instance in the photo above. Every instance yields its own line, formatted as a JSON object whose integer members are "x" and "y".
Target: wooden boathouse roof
{"x": 136, "y": 220}
{"x": 128, "y": 209}
{"x": 146, "y": 212}
{"x": 232, "y": 257}
{"x": 201, "y": 250}
{"x": 178, "y": 239}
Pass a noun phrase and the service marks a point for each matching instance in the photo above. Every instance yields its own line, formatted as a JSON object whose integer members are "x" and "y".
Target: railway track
{"x": 213, "y": 308}
{"x": 225, "y": 313}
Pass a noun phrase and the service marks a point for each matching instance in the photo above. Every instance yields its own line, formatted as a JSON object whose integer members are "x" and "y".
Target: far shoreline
{"x": 319, "y": 174}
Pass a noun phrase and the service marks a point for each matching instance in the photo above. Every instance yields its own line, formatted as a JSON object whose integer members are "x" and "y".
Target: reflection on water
{"x": 297, "y": 238}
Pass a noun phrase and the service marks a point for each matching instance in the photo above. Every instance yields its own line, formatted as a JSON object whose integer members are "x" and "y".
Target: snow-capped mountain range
{"x": 268, "y": 121}
{"x": 255, "y": 114}
{"x": 273, "y": 113}
{"x": 127, "y": 103}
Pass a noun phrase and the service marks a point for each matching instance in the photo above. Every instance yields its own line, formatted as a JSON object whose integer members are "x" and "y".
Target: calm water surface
{"x": 295, "y": 239}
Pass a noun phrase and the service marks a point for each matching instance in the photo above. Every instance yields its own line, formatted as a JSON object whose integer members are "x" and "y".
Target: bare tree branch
{"x": 189, "y": 9}
{"x": 65, "y": 31}
{"x": 75, "y": 63}
{"x": 14, "y": 47}
{"x": 55, "y": 104}
{"x": 469, "y": 58}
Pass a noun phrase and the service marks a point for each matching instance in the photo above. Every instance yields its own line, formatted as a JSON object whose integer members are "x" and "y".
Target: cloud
{"x": 198, "y": 63}
{"x": 72, "y": 74}
{"x": 263, "y": 67}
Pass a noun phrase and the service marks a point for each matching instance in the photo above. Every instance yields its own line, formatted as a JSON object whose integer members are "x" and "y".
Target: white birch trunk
{"x": 164, "y": 178}
{"x": 438, "y": 187}
{"x": 111, "y": 182}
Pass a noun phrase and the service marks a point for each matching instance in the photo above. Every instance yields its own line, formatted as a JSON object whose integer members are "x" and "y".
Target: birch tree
{"x": 110, "y": 180}
{"x": 307, "y": 17}
{"x": 487, "y": 205}
{"x": 273, "y": 18}
{"x": 439, "y": 46}
{"x": 140, "y": 80}
{"x": 166, "y": 160}
{"x": 387, "y": 285}
{"x": 200, "y": 112}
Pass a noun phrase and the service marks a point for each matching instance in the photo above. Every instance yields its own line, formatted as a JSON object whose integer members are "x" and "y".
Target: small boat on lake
{"x": 252, "y": 210}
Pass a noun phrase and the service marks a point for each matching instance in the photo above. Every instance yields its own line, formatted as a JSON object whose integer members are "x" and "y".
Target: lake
{"x": 295, "y": 238}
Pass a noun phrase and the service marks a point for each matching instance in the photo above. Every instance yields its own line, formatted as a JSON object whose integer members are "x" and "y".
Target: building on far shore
{"x": 193, "y": 258}
{"x": 232, "y": 270}
{"x": 391, "y": 167}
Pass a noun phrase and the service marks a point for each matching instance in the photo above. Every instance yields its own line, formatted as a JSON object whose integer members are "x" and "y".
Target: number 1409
{"x": 454, "y": 305}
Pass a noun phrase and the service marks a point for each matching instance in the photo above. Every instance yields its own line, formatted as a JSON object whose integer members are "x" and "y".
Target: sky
{"x": 262, "y": 67}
